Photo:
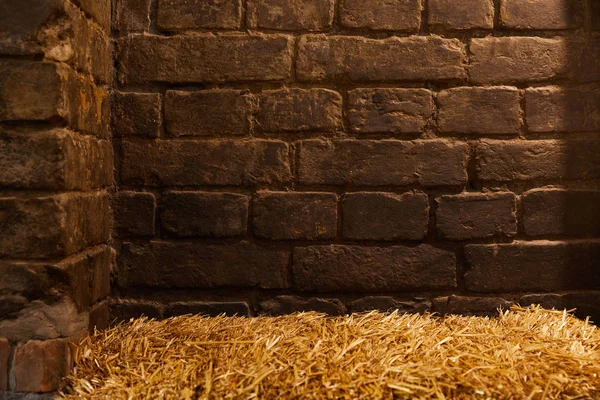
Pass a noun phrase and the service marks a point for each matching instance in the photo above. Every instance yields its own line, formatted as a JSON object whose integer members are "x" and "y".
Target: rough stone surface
{"x": 372, "y": 269}
{"x": 285, "y": 15}
{"x": 393, "y": 15}
{"x": 4, "y": 357}
{"x": 463, "y": 14}
{"x": 282, "y": 305}
{"x": 595, "y": 13}
{"x": 477, "y": 306}
{"x": 388, "y": 304}
{"x": 385, "y": 216}
{"x": 124, "y": 309}
{"x": 136, "y": 114}
{"x": 100, "y": 262}
{"x": 212, "y": 309}
{"x": 134, "y": 213}
{"x": 39, "y": 366}
{"x": 99, "y": 318}
{"x": 541, "y": 14}
{"x": 176, "y": 15}
{"x": 131, "y": 16}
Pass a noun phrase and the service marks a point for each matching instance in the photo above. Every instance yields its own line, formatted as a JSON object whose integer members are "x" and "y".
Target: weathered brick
{"x": 88, "y": 106}
{"x": 469, "y": 14}
{"x": 210, "y": 112}
{"x": 389, "y": 304}
{"x": 493, "y": 110}
{"x": 477, "y": 306}
{"x": 504, "y": 161}
{"x": 201, "y": 265}
{"x": 389, "y": 110}
{"x": 517, "y": 59}
{"x": 382, "y": 162}
{"x": 476, "y": 215}
{"x": 100, "y": 263}
{"x": 306, "y": 15}
{"x": 293, "y": 110}
{"x": 546, "y": 300}
{"x": 214, "y": 162}
{"x": 560, "y": 109}
{"x": 131, "y": 16}
{"x": 134, "y": 213}
{"x": 282, "y": 305}
{"x": 99, "y": 318}
{"x": 39, "y": 366}
{"x": 561, "y": 212}
{"x": 355, "y": 268}
{"x": 136, "y": 114}
{"x": 393, "y": 15}
{"x": 125, "y": 309}
{"x": 595, "y": 15}
{"x": 205, "y": 58}
{"x": 541, "y": 14}
{"x": 20, "y": 26}
{"x": 385, "y": 216}
{"x": 208, "y": 308}
{"x": 530, "y": 266}
{"x": 99, "y": 10}
{"x": 342, "y": 58}
{"x": 93, "y": 52}
{"x": 289, "y": 215}
{"x": 176, "y": 15}
{"x": 4, "y": 357}
{"x": 204, "y": 214}
{"x": 584, "y": 60}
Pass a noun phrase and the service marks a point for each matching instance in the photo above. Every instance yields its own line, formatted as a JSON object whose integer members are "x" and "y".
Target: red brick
{"x": 136, "y": 114}
{"x": 4, "y": 357}
{"x": 343, "y": 58}
{"x": 134, "y": 213}
{"x": 584, "y": 60}
{"x": 465, "y": 14}
{"x": 306, "y": 15}
{"x": 561, "y": 212}
{"x": 131, "y": 16}
{"x": 530, "y": 266}
{"x": 477, "y": 306}
{"x": 208, "y": 308}
{"x": 385, "y": 216}
{"x": 202, "y": 214}
{"x": 176, "y": 15}
{"x": 201, "y": 265}
{"x": 209, "y": 112}
{"x": 493, "y": 110}
{"x": 541, "y": 14}
{"x": 100, "y": 265}
{"x": 205, "y": 58}
{"x": 382, "y": 162}
{"x": 394, "y": 15}
{"x": 282, "y": 305}
{"x": 389, "y": 304}
{"x": 292, "y": 110}
{"x": 476, "y": 215}
{"x": 368, "y": 269}
{"x": 289, "y": 215}
{"x": 389, "y": 110}
{"x": 214, "y": 162}
{"x": 39, "y": 366}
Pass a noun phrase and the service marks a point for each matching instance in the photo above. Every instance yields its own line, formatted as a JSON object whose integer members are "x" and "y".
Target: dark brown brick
{"x": 476, "y": 215}
{"x": 389, "y": 110}
{"x": 343, "y": 58}
{"x": 493, "y": 110}
{"x": 584, "y": 60}
{"x": 385, "y": 216}
{"x": 88, "y": 106}
{"x": 204, "y": 214}
{"x": 541, "y": 14}
{"x": 125, "y": 309}
{"x": 546, "y": 300}
{"x": 382, "y": 162}
{"x": 201, "y": 265}
{"x": 457, "y": 15}
{"x": 393, "y": 15}
{"x": 4, "y": 357}
{"x": 559, "y": 109}
{"x": 176, "y": 15}
{"x": 210, "y": 112}
{"x": 134, "y": 213}
{"x": 561, "y": 212}
{"x": 211, "y": 309}
{"x": 531, "y": 266}
{"x": 100, "y": 264}
{"x": 389, "y": 304}
{"x": 595, "y": 15}
{"x": 214, "y": 162}
{"x": 205, "y": 58}
{"x": 39, "y": 366}
{"x": 99, "y": 318}
{"x": 368, "y": 269}
{"x": 289, "y": 215}
{"x": 293, "y": 110}
{"x": 136, "y": 114}
{"x": 99, "y": 10}
{"x": 307, "y": 15}
{"x": 282, "y": 305}
{"x": 131, "y": 16}
{"x": 477, "y": 306}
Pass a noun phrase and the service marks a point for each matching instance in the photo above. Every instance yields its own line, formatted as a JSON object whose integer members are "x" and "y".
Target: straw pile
{"x": 524, "y": 354}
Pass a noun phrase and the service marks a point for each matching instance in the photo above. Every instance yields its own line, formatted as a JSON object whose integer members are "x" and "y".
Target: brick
{"x": 307, "y": 15}
{"x": 388, "y": 304}
{"x": 584, "y": 63}
{"x": 389, "y": 110}
{"x": 459, "y": 15}
{"x": 131, "y": 16}
{"x": 586, "y": 304}
{"x": 531, "y": 266}
{"x": 176, "y": 15}
{"x": 4, "y": 357}
{"x": 385, "y": 216}
{"x": 205, "y": 58}
{"x": 39, "y": 366}
{"x": 382, "y": 162}
{"x": 394, "y": 15}
{"x": 372, "y": 269}
{"x": 595, "y": 15}
{"x": 211, "y": 309}
{"x": 561, "y": 212}
{"x": 474, "y": 306}
{"x": 100, "y": 263}
{"x": 202, "y": 214}
{"x": 356, "y": 59}
{"x": 209, "y": 112}
{"x": 214, "y": 162}
{"x": 283, "y": 305}
{"x": 560, "y": 109}
{"x": 99, "y": 318}
{"x": 504, "y": 161}
{"x": 125, "y": 309}
{"x": 541, "y": 14}
{"x": 134, "y": 213}
{"x": 517, "y": 59}
{"x": 289, "y": 215}
{"x": 476, "y": 215}
{"x": 293, "y": 110}
{"x": 136, "y": 114}
{"x": 201, "y": 265}
{"x": 489, "y": 110}
{"x": 88, "y": 106}
{"x": 93, "y": 51}
{"x": 99, "y": 10}
{"x": 546, "y": 300}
